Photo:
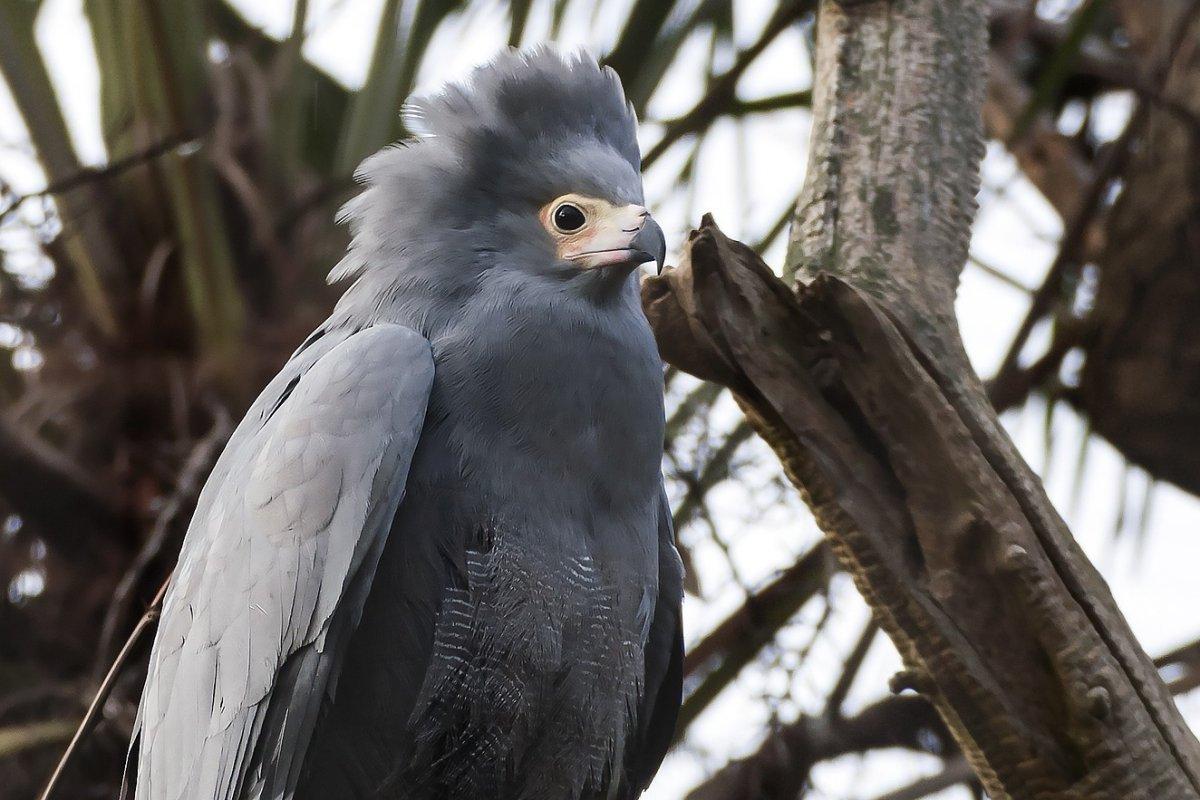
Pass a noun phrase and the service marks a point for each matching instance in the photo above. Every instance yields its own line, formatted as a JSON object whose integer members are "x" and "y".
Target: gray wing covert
{"x": 277, "y": 563}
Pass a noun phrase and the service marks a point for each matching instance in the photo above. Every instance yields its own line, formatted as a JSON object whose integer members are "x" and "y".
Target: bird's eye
{"x": 569, "y": 217}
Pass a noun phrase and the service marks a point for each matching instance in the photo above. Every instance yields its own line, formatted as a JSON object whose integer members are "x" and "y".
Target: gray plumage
{"x": 435, "y": 559}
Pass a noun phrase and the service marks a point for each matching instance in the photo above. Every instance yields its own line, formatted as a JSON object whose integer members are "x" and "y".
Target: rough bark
{"x": 860, "y": 383}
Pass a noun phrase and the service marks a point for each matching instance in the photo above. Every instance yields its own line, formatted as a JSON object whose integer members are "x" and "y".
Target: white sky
{"x": 1016, "y": 231}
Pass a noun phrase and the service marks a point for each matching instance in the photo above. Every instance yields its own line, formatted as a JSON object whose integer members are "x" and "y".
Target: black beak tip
{"x": 651, "y": 245}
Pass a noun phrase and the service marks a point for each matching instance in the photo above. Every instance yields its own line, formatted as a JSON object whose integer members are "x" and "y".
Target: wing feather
{"x": 275, "y": 568}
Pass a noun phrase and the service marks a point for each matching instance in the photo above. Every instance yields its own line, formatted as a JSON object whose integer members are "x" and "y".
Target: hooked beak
{"x": 649, "y": 244}
{"x": 626, "y": 236}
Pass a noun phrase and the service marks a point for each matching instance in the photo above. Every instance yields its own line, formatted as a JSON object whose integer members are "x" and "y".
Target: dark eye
{"x": 568, "y": 217}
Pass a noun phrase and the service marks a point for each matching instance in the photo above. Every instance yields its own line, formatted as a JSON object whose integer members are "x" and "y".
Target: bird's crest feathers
{"x": 493, "y": 133}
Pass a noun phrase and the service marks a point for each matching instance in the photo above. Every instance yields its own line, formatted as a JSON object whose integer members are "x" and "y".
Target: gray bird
{"x": 435, "y": 559}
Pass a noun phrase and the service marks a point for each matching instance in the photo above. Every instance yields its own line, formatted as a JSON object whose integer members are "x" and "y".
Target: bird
{"x": 435, "y": 559}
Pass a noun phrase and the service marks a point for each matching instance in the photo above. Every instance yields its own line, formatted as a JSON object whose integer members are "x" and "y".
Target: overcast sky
{"x": 746, "y": 176}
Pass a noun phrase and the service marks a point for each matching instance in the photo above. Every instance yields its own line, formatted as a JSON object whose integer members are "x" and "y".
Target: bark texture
{"x": 859, "y": 381}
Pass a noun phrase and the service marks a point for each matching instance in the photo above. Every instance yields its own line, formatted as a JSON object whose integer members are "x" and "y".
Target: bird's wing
{"x": 664, "y": 662}
{"x": 279, "y": 558}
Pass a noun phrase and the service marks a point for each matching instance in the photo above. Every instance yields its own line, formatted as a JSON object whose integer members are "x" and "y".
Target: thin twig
{"x": 106, "y": 687}
{"x": 715, "y": 470}
{"x": 998, "y": 274}
{"x": 854, "y": 661}
{"x": 92, "y": 174}
{"x": 191, "y": 477}
{"x": 738, "y": 108}
{"x": 1184, "y": 676}
{"x": 722, "y": 93}
{"x": 782, "y": 763}
{"x": 719, "y": 657}
{"x": 1022, "y": 382}
{"x": 778, "y": 227}
{"x": 1067, "y": 257}
{"x": 957, "y": 771}
{"x": 768, "y": 608}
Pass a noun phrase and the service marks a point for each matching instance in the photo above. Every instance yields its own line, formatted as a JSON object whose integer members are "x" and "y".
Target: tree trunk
{"x": 860, "y": 383}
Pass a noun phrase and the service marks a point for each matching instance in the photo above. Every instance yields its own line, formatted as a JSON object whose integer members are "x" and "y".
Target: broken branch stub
{"x": 1030, "y": 681}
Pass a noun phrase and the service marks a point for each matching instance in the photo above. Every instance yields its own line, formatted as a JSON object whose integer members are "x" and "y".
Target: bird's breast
{"x": 566, "y": 417}
{"x": 532, "y": 678}
{"x": 544, "y": 447}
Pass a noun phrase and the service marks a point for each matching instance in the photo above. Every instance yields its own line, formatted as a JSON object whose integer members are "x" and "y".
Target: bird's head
{"x": 528, "y": 171}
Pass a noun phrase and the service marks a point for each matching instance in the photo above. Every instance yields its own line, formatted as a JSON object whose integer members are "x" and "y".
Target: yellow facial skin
{"x": 602, "y": 240}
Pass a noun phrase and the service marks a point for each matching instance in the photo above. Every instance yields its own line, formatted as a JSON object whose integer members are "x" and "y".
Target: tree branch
{"x": 715, "y": 470}
{"x": 92, "y": 248}
{"x": 717, "y": 659}
{"x": 721, "y": 94}
{"x": 178, "y": 507}
{"x": 854, "y": 662}
{"x": 919, "y": 730}
{"x": 956, "y": 771}
{"x": 87, "y": 175}
{"x": 861, "y": 385}
{"x": 1142, "y": 356}
{"x": 1016, "y": 642}
{"x": 780, "y": 767}
{"x": 106, "y": 686}
{"x": 1051, "y": 161}
{"x": 1070, "y": 250}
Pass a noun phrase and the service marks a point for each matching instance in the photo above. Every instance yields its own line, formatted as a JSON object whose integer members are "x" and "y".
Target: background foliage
{"x": 149, "y": 290}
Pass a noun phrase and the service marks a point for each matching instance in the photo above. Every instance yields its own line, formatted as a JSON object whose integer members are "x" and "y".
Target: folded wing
{"x": 277, "y": 564}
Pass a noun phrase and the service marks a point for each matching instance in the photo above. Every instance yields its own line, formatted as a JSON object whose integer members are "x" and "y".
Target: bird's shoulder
{"x": 288, "y": 529}
{"x": 340, "y": 383}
